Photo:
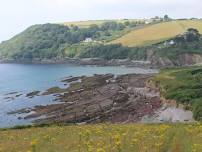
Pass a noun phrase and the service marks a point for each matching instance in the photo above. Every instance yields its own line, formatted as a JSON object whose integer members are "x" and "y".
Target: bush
{"x": 112, "y": 51}
{"x": 184, "y": 86}
{"x": 197, "y": 111}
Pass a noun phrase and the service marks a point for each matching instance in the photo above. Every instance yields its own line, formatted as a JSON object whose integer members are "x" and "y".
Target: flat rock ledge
{"x": 101, "y": 98}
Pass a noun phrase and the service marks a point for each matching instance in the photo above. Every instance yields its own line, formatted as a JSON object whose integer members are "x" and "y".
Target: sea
{"x": 16, "y": 80}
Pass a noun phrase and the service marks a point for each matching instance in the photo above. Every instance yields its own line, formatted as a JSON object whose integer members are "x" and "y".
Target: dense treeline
{"x": 112, "y": 51}
{"x": 43, "y": 41}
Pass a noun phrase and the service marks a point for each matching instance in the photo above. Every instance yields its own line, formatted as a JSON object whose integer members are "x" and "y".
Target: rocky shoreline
{"x": 104, "y": 98}
{"x": 101, "y": 98}
{"x": 84, "y": 61}
{"x": 152, "y": 61}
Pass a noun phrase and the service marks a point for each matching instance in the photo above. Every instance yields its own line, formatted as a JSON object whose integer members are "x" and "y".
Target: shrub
{"x": 197, "y": 111}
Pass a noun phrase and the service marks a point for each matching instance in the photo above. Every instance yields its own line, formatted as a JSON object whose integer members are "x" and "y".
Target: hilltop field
{"x": 157, "y": 33}
{"x": 87, "y": 24}
{"x": 148, "y": 34}
{"x": 104, "y": 138}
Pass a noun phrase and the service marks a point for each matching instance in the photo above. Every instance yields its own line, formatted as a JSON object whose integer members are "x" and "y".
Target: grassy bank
{"x": 104, "y": 138}
{"x": 184, "y": 86}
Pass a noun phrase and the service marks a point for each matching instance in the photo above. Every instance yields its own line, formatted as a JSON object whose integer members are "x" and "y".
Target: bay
{"x": 20, "y": 79}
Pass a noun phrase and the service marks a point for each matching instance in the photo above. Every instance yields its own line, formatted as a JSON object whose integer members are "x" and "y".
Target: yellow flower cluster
{"x": 118, "y": 138}
{"x": 105, "y": 138}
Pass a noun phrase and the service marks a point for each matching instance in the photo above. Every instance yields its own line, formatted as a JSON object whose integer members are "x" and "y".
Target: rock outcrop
{"x": 102, "y": 98}
{"x": 181, "y": 60}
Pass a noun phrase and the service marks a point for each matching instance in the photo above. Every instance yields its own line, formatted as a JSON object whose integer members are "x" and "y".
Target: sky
{"x": 17, "y": 15}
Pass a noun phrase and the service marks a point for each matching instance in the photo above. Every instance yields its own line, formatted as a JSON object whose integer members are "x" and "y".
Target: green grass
{"x": 104, "y": 138}
{"x": 182, "y": 85}
{"x": 157, "y": 32}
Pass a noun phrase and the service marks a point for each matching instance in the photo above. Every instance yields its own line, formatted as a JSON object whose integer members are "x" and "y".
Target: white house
{"x": 88, "y": 40}
{"x": 171, "y": 42}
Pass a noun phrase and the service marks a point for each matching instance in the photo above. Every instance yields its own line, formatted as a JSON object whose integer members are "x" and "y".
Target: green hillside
{"x": 38, "y": 40}
{"x": 109, "y": 40}
{"x": 57, "y": 41}
{"x": 188, "y": 43}
{"x": 54, "y": 40}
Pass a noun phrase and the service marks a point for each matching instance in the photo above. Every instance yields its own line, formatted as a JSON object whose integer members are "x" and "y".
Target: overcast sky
{"x": 17, "y": 15}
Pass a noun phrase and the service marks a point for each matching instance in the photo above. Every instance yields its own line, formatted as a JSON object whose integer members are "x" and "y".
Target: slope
{"x": 157, "y": 32}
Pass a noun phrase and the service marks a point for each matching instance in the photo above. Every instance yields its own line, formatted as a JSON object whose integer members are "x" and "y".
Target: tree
{"x": 107, "y": 33}
{"x": 127, "y": 23}
{"x": 74, "y": 27}
{"x": 166, "y": 18}
{"x": 94, "y": 27}
{"x": 133, "y": 24}
{"x": 109, "y": 25}
{"x": 192, "y": 35}
{"x": 120, "y": 26}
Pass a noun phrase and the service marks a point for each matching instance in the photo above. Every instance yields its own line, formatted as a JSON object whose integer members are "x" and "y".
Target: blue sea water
{"x": 24, "y": 78}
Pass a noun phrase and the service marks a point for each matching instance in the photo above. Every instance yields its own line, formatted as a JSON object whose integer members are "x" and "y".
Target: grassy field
{"x": 104, "y": 138}
{"x": 157, "y": 32}
{"x": 86, "y": 24}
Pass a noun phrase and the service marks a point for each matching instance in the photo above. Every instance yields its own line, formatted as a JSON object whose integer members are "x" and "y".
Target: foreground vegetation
{"x": 184, "y": 86}
{"x": 104, "y": 138}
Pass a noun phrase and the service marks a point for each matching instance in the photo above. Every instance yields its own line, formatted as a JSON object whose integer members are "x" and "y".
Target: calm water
{"x": 24, "y": 78}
